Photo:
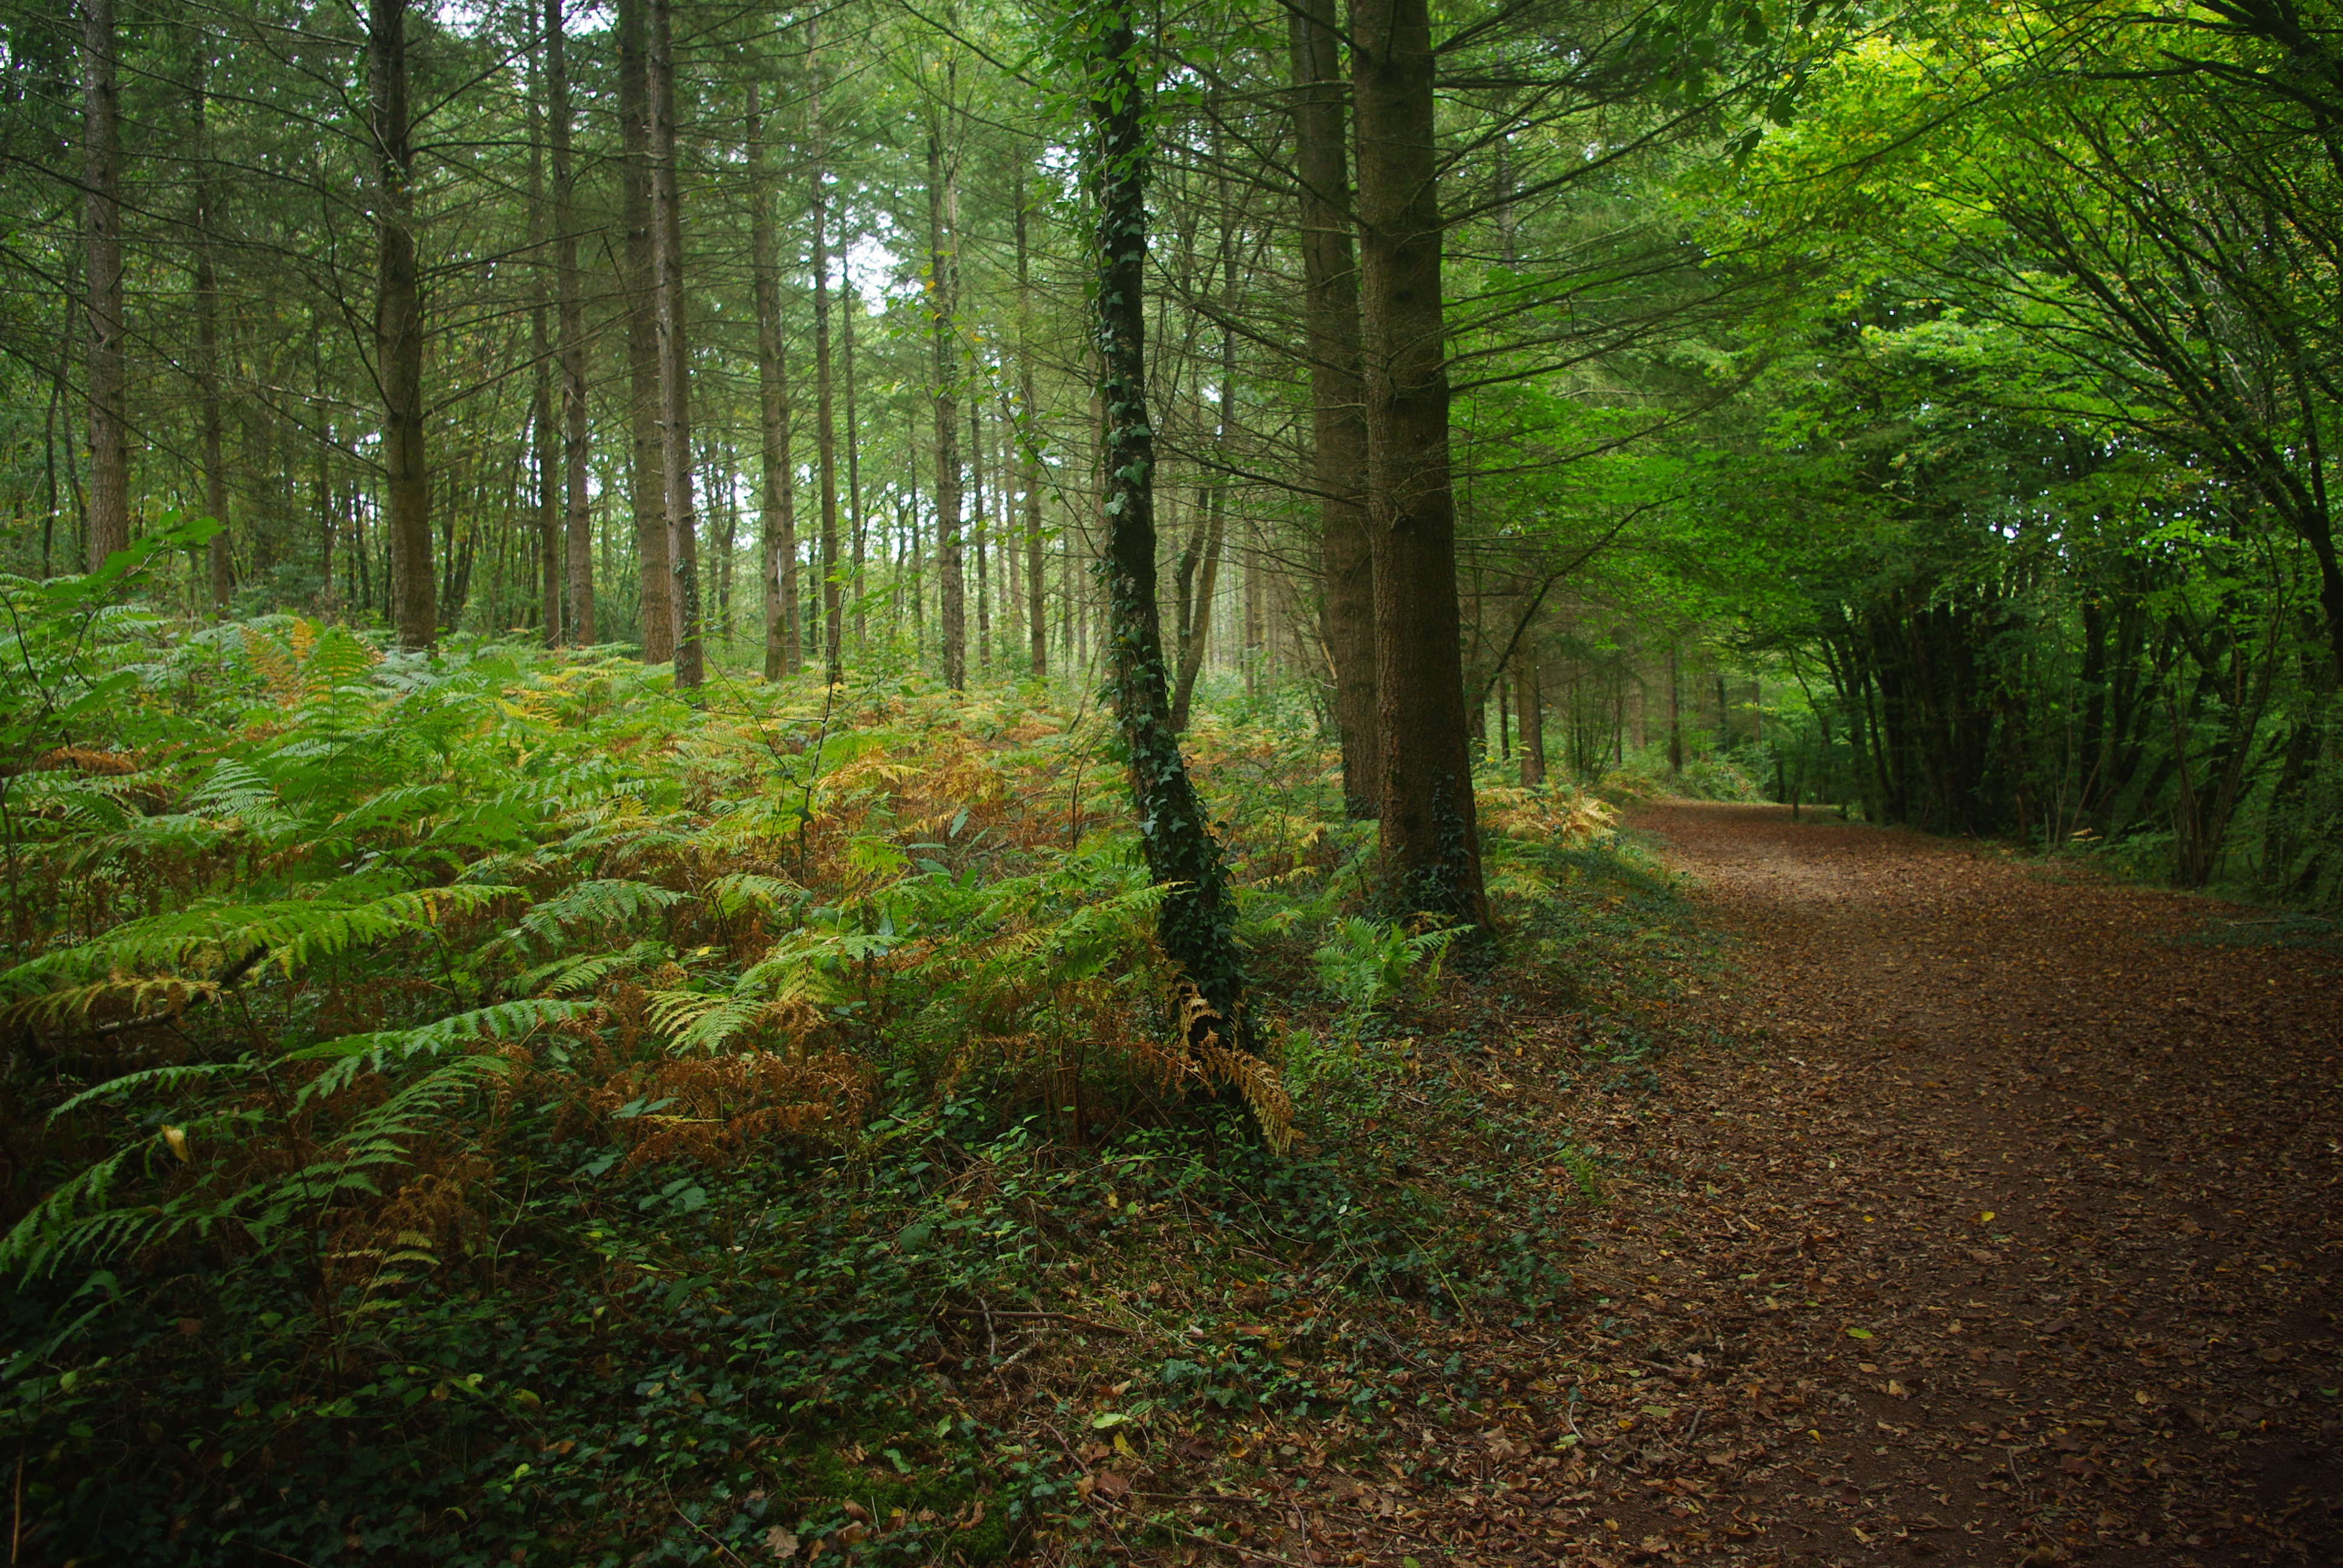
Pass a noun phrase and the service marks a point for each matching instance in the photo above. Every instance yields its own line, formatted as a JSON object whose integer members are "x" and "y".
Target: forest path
{"x": 2005, "y": 1232}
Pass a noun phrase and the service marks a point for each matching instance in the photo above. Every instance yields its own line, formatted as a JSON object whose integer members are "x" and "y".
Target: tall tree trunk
{"x": 783, "y": 652}
{"x": 1197, "y": 923}
{"x": 1675, "y": 714}
{"x": 1212, "y": 504}
{"x": 918, "y": 560}
{"x": 545, "y": 441}
{"x": 728, "y": 473}
{"x": 106, "y": 378}
{"x": 1337, "y": 397}
{"x": 1531, "y": 700}
{"x": 221, "y": 581}
{"x": 979, "y": 519}
{"x": 647, "y": 475}
{"x": 579, "y": 516}
{"x": 1203, "y": 558}
{"x": 398, "y": 334}
{"x": 825, "y": 430}
{"x": 674, "y": 355}
{"x": 849, "y": 308}
{"x": 1029, "y": 440}
{"x": 942, "y": 278}
{"x": 1431, "y": 841}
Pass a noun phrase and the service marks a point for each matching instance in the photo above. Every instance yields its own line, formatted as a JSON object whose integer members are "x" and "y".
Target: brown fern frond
{"x": 89, "y": 760}
{"x": 1214, "y": 1062}
{"x": 716, "y": 1106}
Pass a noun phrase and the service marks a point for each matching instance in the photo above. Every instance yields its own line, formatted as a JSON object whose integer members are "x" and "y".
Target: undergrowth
{"x": 486, "y": 1108}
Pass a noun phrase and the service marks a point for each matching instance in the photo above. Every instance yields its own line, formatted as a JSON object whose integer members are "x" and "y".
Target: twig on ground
{"x": 711, "y": 1540}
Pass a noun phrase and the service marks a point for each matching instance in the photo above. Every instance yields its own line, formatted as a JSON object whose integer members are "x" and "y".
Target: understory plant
{"x": 483, "y": 1103}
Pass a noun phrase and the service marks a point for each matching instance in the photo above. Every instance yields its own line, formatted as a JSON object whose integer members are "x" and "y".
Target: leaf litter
{"x": 1984, "y": 1214}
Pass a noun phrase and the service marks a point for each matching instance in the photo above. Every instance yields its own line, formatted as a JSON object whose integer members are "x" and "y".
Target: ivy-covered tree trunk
{"x": 1431, "y": 841}
{"x": 1197, "y": 923}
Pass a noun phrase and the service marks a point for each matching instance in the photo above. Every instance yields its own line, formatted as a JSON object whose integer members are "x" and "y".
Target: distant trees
{"x": 490, "y": 325}
{"x": 2066, "y": 547}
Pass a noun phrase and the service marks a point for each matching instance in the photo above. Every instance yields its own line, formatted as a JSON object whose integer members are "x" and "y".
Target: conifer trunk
{"x": 1337, "y": 396}
{"x": 219, "y": 572}
{"x": 979, "y": 517}
{"x": 777, "y": 568}
{"x": 398, "y": 334}
{"x": 1028, "y": 442}
{"x": 107, "y": 377}
{"x": 1197, "y": 923}
{"x": 950, "y": 588}
{"x": 825, "y": 430}
{"x": 1531, "y": 701}
{"x": 674, "y": 355}
{"x": 647, "y": 472}
{"x": 847, "y": 311}
{"x": 1196, "y": 611}
{"x": 1431, "y": 842}
{"x": 543, "y": 441}
{"x": 577, "y": 529}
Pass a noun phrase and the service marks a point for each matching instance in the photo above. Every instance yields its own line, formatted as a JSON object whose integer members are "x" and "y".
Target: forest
{"x": 966, "y": 783}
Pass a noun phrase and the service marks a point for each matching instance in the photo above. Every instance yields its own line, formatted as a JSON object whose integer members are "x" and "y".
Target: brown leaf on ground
{"x": 2005, "y": 1230}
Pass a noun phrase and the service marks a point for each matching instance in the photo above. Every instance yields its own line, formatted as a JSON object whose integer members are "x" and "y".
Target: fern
{"x": 590, "y": 971}
{"x": 286, "y": 933}
{"x": 374, "y": 1051}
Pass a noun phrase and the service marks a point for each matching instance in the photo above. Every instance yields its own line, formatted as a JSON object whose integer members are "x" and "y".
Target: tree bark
{"x": 218, "y": 572}
{"x": 825, "y": 430}
{"x": 1196, "y": 925}
{"x": 398, "y": 334}
{"x": 942, "y": 304}
{"x": 1029, "y": 440}
{"x": 979, "y": 517}
{"x": 647, "y": 474}
{"x": 106, "y": 375}
{"x": 1531, "y": 700}
{"x": 1337, "y": 397}
{"x": 674, "y": 355}
{"x": 848, "y": 309}
{"x": 545, "y": 442}
{"x": 1196, "y": 610}
{"x": 577, "y": 510}
{"x": 783, "y": 652}
{"x": 1431, "y": 841}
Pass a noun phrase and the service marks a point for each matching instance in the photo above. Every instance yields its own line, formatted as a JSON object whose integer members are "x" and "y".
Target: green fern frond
{"x": 588, "y": 971}
{"x": 153, "y": 1078}
{"x": 741, "y": 889}
{"x": 699, "y": 1021}
{"x": 352, "y": 1054}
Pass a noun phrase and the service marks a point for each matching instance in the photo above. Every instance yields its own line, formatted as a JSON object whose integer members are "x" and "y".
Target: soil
{"x": 2002, "y": 1227}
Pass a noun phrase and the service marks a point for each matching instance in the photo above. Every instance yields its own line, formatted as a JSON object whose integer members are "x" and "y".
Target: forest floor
{"x": 2003, "y": 1229}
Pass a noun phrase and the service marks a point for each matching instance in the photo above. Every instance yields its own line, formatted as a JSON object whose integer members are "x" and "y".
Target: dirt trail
{"x": 2008, "y": 1235}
